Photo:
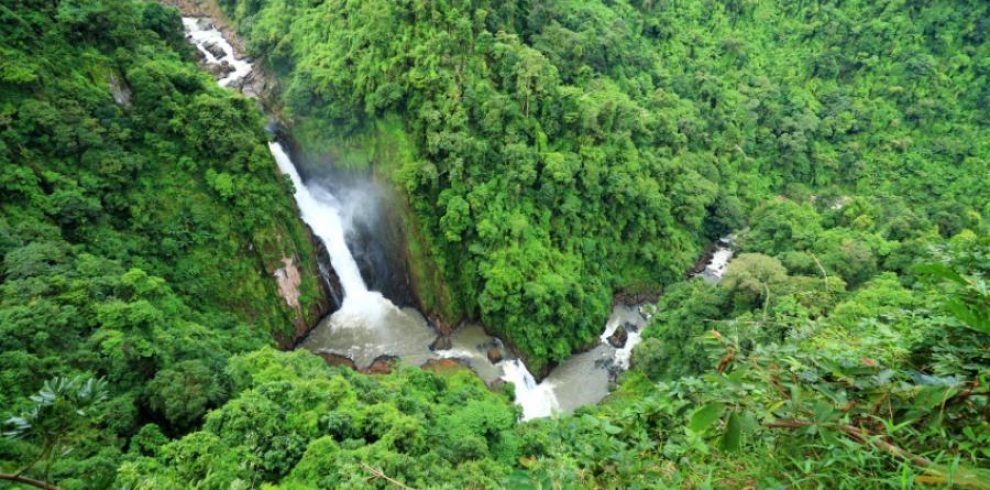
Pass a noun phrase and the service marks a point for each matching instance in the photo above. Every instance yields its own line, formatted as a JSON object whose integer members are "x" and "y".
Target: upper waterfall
{"x": 321, "y": 211}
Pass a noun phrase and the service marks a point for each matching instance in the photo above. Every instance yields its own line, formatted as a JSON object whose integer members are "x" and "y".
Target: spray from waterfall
{"x": 320, "y": 210}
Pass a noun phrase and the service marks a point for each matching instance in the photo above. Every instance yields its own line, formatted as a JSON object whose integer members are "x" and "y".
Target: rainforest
{"x": 473, "y": 244}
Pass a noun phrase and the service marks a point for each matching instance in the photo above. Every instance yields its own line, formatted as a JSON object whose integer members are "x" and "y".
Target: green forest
{"x": 552, "y": 156}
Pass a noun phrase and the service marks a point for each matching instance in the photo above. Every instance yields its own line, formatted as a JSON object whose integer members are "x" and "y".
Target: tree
{"x": 59, "y": 416}
{"x": 753, "y": 278}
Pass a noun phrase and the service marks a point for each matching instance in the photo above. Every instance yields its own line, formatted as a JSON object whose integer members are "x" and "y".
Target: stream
{"x": 368, "y": 325}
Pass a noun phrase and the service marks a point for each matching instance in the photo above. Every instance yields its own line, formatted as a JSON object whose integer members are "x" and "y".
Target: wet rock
{"x": 630, "y": 327}
{"x": 495, "y": 355}
{"x": 220, "y": 70}
{"x": 609, "y": 365}
{"x": 644, "y": 313}
{"x": 618, "y": 339}
{"x": 120, "y": 91}
{"x": 442, "y": 342}
{"x": 254, "y": 84}
{"x": 205, "y": 23}
{"x": 200, "y": 57}
{"x": 333, "y": 359}
{"x": 497, "y": 385}
{"x": 439, "y": 365}
{"x": 215, "y": 49}
{"x": 381, "y": 365}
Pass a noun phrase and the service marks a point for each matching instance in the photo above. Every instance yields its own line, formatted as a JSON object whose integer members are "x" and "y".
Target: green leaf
{"x": 611, "y": 429}
{"x": 705, "y": 416}
{"x": 828, "y": 436}
{"x": 732, "y": 436}
{"x": 940, "y": 271}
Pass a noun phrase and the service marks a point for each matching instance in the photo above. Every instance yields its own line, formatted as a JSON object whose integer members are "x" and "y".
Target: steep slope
{"x": 142, "y": 221}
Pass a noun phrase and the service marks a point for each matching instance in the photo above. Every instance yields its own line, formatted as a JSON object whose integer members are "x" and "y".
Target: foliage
{"x": 567, "y": 150}
{"x": 117, "y": 258}
{"x": 318, "y": 427}
{"x": 551, "y": 154}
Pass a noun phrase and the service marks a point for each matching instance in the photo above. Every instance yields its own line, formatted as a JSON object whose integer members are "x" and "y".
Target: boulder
{"x": 333, "y": 359}
{"x": 215, "y": 49}
{"x": 496, "y": 385}
{"x": 495, "y": 355}
{"x": 220, "y": 70}
{"x": 381, "y": 365}
{"x": 442, "y": 342}
{"x": 618, "y": 339}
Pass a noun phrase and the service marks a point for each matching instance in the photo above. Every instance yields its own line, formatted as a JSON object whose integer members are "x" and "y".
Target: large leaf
{"x": 733, "y": 433}
{"x": 704, "y": 417}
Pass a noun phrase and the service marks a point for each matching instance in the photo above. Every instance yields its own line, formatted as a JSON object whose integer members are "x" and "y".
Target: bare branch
{"x": 29, "y": 481}
{"x": 376, "y": 473}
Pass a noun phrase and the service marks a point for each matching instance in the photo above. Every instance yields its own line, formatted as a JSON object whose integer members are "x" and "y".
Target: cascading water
{"x": 207, "y": 40}
{"x": 368, "y": 325}
{"x": 536, "y": 399}
{"x": 719, "y": 263}
{"x": 323, "y": 216}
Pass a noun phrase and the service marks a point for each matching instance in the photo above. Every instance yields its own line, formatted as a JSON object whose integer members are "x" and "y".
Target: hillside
{"x": 553, "y": 157}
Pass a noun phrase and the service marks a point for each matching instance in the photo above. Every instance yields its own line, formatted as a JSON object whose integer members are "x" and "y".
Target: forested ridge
{"x": 140, "y": 224}
{"x": 553, "y": 154}
{"x": 564, "y": 151}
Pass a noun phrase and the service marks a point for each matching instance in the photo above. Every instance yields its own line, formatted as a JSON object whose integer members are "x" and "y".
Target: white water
{"x": 720, "y": 260}
{"x": 619, "y": 317}
{"x": 536, "y": 399}
{"x": 202, "y": 33}
{"x": 320, "y": 210}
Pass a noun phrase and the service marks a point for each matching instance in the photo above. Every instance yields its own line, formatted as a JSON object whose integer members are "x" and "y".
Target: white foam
{"x": 201, "y": 36}
{"x": 536, "y": 399}
{"x": 323, "y": 216}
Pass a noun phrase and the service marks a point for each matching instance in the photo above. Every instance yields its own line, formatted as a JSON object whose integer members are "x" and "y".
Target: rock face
{"x": 618, "y": 339}
{"x": 495, "y": 355}
{"x": 120, "y": 91}
{"x": 288, "y": 279}
{"x": 255, "y": 84}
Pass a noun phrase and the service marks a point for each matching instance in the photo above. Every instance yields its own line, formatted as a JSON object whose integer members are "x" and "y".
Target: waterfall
{"x": 318, "y": 207}
{"x": 720, "y": 260}
{"x": 536, "y": 399}
{"x": 321, "y": 211}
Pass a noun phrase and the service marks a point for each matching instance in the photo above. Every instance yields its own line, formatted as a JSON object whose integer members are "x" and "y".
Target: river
{"x": 367, "y": 325}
